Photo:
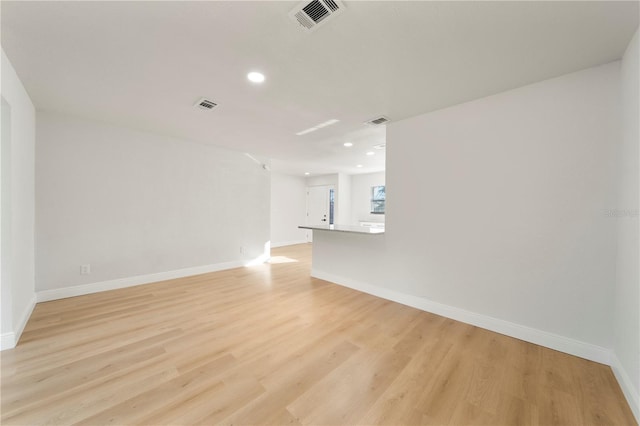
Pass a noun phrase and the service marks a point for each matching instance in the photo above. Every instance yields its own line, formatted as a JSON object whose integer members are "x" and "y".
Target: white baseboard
{"x": 80, "y": 290}
{"x": 630, "y": 392}
{"x": 26, "y": 314}
{"x": 7, "y": 341}
{"x": 528, "y": 334}
{"x": 10, "y": 340}
{"x": 288, "y": 243}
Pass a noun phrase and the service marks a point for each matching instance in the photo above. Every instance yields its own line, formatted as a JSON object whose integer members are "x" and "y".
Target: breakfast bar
{"x": 354, "y": 229}
{"x": 349, "y": 255}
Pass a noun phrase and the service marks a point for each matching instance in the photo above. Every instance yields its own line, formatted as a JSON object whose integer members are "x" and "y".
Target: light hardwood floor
{"x": 270, "y": 345}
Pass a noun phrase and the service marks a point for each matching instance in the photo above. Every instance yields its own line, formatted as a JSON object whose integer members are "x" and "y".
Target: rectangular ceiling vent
{"x": 205, "y": 103}
{"x": 378, "y": 120}
{"x": 311, "y": 15}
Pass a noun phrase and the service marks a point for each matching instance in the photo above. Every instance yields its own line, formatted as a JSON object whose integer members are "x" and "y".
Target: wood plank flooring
{"x": 270, "y": 345}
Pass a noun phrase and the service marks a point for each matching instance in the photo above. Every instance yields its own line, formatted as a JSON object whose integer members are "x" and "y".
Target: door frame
{"x": 330, "y": 189}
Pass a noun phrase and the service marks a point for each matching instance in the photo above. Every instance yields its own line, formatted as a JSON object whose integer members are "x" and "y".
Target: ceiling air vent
{"x": 311, "y": 15}
{"x": 377, "y": 121}
{"x": 205, "y": 104}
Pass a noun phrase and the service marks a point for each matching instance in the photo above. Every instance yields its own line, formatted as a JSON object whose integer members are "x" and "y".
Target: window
{"x": 377, "y": 199}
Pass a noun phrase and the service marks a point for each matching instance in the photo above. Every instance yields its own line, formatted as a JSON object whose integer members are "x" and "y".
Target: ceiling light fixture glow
{"x": 307, "y": 173}
{"x": 371, "y": 153}
{"x": 348, "y": 144}
{"x": 304, "y": 132}
{"x": 359, "y": 166}
{"x": 317, "y": 127}
{"x": 255, "y": 77}
{"x": 327, "y": 123}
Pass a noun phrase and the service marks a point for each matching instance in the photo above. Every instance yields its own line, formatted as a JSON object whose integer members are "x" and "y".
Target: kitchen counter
{"x": 354, "y": 229}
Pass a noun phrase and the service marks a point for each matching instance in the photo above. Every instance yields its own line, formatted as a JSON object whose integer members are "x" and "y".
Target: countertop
{"x": 344, "y": 228}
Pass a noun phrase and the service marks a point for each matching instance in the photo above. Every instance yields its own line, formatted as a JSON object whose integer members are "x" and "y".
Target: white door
{"x": 318, "y": 207}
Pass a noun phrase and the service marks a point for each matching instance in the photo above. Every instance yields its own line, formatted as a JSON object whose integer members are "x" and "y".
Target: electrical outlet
{"x": 85, "y": 269}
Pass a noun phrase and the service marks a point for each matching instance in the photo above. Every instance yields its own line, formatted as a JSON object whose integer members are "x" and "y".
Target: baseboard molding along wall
{"x": 10, "y": 340}
{"x": 80, "y": 290}
{"x": 633, "y": 398}
{"x": 7, "y": 341}
{"x": 288, "y": 243}
{"x": 528, "y": 334}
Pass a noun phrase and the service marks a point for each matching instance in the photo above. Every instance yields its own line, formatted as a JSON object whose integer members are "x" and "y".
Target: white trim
{"x": 11, "y": 339}
{"x": 630, "y": 393}
{"x": 289, "y": 243}
{"x": 7, "y": 341}
{"x": 25, "y": 318}
{"x": 528, "y": 334}
{"x": 80, "y": 290}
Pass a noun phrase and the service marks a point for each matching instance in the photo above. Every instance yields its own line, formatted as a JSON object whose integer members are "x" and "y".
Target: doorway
{"x": 320, "y": 207}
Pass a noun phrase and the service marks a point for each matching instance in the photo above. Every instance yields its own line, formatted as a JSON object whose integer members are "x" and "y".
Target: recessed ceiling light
{"x": 307, "y": 173}
{"x": 255, "y": 77}
{"x": 359, "y": 165}
{"x": 371, "y": 153}
{"x": 348, "y": 144}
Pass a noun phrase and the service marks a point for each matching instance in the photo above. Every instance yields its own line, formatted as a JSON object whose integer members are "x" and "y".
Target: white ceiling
{"x": 144, "y": 64}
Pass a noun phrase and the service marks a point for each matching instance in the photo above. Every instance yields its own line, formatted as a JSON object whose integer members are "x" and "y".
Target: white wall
{"x": 133, "y": 204}
{"x": 330, "y": 179}
{"x": 506, "y": 224}
{"x": 6, "y": 316}
{"x": 324, "y": 180}
{"x": 341, "y": 183}
{"x": 626, "y": 326}
{"x": 288, "y": 209}
{"x": 361, "y": 197}
{"x": 343, "y": 200}
{"x": 18, "y": 295}
{"x": 507, "y": 218}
